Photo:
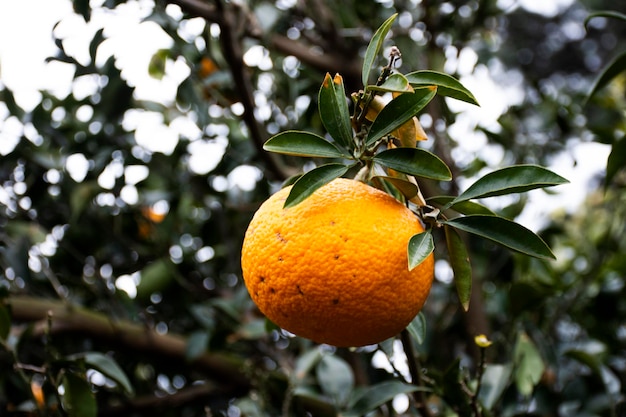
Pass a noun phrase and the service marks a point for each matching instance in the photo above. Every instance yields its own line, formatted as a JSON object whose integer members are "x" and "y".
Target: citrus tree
{"x": 124, "y": 286}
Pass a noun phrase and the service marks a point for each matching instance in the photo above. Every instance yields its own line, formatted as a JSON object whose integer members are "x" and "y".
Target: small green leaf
{"x": 379, "y": 394}
{"x": 529, "y": 365}
{"x": 514, "y": 179}
{"x": 197, "y": 345}
{"x": 414, "y": 161}
{"x": 78, "y": 400}
{"x": 336, "y": 378}
{"x": 312, "y": 180}
{"x": 586, "y": 358}
{"x": 406, "y": 188}
{"x": 446, "y": 85}
{"x": 374, "y": 47}
{"x": 108, "y": 367}
{"x": 612, "y": 70}
{"x": 293, "y": 142}
{"x": 419, "y": 248}
{"x": 504, "y": 232}
{"x": 463, "y": 207}
{"x": 156, "y": 68}
{"x": 397, "y": 112}
{"x": 395, "y": 83}
{"x": 417, "y": 328}
{"x": 460, "y": 263}
{"x": 616, "y": 160}
{"x": 333, "y": 110}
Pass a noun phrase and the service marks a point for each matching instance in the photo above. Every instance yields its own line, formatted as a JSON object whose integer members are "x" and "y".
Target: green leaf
{"x": 156, "y": 68}
{"x": 446, "y": 85}
{"x": 414, "y": 161}
{"x": 514, "y": 179}
{"x": 333, "y": 110}
{"x": 529, "y": 365}
{"x": 155, "y": 277}
{"x": 463, "y": 207}
{"x": 5, "y": 322}
{"x": 616, "y": 160}
{"x": 612, "y": 70}
{"x": 397, "y": 112}
{"x": 306, "y": 362}
{"x": 312, "y": 180}
{"x": 494, "y": 382}
{"x": 417, "y": 328}
{"x": 379, "y": 394}
{"x": 374, "y": 47}
{"x": 78, "y": 400}
{"x": 395, "y": 83}
{"x": 460, "y": 263}
{"x": 197, "y": 345}
{"x": 108, "y": 367}
{"x": 586, "y": 358}
{"x": 294, "y": 142}
{"x": 419, "y": 248}
{"x": 336, "y": 378}
{"x": 406, "y": 188}
{"x": 504, "y": 232}
{"x": 605, "y": 13}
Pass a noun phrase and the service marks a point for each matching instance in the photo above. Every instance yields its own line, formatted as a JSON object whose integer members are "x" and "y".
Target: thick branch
{"x": 66, "y": 318}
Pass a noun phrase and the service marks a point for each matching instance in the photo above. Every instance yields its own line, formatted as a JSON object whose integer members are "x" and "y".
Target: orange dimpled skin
{"x": 334, "y": 268}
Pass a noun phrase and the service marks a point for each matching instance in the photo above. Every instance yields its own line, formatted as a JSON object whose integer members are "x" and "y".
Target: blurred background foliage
{"x": 122, "y": 216}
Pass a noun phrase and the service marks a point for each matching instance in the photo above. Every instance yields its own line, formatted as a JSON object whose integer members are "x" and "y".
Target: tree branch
{"x": 66, "y": 318}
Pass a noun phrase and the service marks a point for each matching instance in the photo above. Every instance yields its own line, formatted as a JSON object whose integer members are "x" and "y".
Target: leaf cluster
{"x": 385, "y": 150}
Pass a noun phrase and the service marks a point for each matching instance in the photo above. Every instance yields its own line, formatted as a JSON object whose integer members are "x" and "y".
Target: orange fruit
{"x": 334, "y": 268}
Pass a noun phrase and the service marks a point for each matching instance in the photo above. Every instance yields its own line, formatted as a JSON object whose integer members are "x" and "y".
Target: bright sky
{"x": 24, "y": 47}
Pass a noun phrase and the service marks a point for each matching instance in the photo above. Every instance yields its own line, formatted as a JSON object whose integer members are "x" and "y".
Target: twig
{"x": 416, "y": 376}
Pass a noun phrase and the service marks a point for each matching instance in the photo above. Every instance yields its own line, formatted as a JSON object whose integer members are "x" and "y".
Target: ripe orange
{"x": 334, "y": 268}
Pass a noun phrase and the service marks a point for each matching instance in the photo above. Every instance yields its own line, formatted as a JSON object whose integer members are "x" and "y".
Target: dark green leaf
{"x": 514, "y": 179}
{"x": 615, "y": 67}
{"x": 397, "y": 112}
{"x": 312, "y": 180}
{"x": 605, "y": 13}
{"x": 197, "y": 345}
{"x": 414, "y": 161}
{"x": 463, "y": 207}
{"x": 417, "y": 328}
{"x": 529, "y": 365}
{"x": 504, "y": 232}
{"x": 395, "y": 83}
{"x": 494, "y": 382}
{"x": 5, "y": 323}
{"x": 293, "y": 142}
{"x": 379, "y": 394}
{"x": 586, "y": 358}
{"x": 406, "y": 188}
{"x": 419, "y": 248}
{"x": 446, "y": 85}
{"x": 306, "y": 362}
{"x": 616, "y": 160}
{"x": 155, "y": 277}
{"x": 333, "y": 110}
{"x": 106, "y": 366}
{"x": 336, "y": 378}
{"x": 374, "y": 47}
{"x": 78, "y": 400}
{"x": 460, "y": 263}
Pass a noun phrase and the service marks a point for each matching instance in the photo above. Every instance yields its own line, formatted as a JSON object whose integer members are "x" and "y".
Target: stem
{"x": 479, "y": 376}
{"x": 416, "y": 376}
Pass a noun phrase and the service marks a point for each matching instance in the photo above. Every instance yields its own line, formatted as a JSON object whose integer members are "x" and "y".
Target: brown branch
{"x": 66, "y": 318}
